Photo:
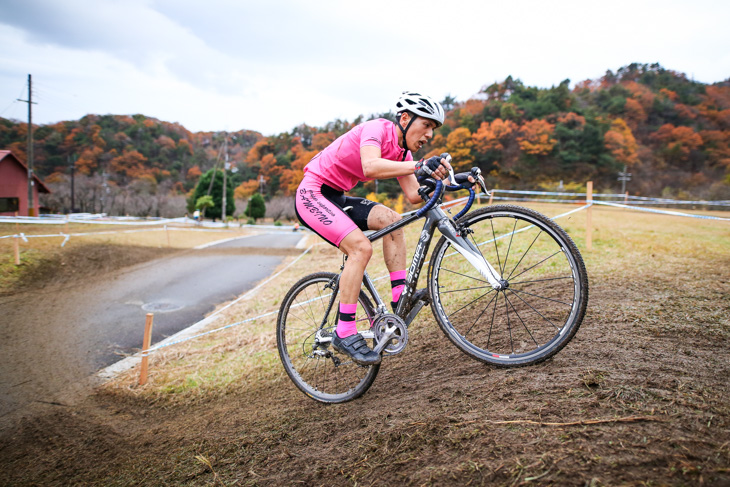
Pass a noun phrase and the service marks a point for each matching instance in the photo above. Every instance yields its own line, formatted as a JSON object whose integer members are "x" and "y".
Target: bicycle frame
{"x": 436, "y": 218}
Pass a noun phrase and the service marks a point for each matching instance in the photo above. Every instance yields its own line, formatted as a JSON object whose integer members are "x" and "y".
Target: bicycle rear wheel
{"x": 544, "y": 302}
{"x": 305, "y": 348}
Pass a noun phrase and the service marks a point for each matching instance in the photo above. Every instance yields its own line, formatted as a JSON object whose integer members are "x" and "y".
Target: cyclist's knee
{"x": 357, "y": 247}
{"x": 363, "y": 250}
{"x": 381, "y": 217}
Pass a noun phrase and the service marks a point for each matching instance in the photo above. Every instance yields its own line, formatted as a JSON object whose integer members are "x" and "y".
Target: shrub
{"x": 256, "y": 207}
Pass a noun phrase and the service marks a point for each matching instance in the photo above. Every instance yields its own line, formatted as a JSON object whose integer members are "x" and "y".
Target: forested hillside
{"x": 672, "y": 133}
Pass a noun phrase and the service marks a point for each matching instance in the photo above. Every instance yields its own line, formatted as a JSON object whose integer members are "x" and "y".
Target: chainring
{"x": 398, "y": 340}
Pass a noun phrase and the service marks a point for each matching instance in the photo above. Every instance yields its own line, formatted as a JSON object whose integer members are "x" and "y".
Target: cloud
{"x": 271, "y": 65}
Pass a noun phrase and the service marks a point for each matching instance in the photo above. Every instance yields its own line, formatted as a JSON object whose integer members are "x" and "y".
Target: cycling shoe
{"x": 356, "y": 348}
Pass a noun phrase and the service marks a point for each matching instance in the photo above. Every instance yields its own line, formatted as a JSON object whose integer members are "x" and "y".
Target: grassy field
{"x": 639, "y": 397}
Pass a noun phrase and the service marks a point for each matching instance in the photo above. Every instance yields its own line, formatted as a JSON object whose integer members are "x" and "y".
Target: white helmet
{"x": 420, "y": 105}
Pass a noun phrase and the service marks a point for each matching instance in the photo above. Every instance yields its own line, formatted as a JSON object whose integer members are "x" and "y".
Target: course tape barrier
{"x": 633, "y": 199}
{"x": 67, "y": 236}
{"x": 663, "y": 212}
{"x": 385, "y": 276}
{"x": 585, "y": 206}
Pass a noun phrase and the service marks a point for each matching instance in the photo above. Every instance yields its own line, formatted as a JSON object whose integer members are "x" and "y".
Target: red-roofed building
{"x": 14, "y": 186}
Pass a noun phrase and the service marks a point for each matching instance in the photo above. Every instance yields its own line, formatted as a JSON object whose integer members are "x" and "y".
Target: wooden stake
{"x": 491, "y": 196}
{"x": 626, "y": 198}
{"x": 146, "y": 342}
{"x": 17, "y": 250}
{"x": 168, "y": 235}
{"x": 589, "y": 215}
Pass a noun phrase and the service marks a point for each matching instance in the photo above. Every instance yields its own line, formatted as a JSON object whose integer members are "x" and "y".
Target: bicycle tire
{"x": 313, "y": 369}
{"x": 541, "y": 309}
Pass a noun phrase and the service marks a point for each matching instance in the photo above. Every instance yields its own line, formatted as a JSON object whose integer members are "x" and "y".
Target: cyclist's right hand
{"x": 436, "y": 167}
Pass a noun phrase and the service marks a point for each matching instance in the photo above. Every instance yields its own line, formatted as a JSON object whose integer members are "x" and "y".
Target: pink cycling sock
{"x": 347, "y": 325}
{"x": 397, "y": 282}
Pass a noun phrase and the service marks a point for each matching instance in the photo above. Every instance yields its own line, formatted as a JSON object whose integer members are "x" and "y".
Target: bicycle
{"x": 519, "y": 313}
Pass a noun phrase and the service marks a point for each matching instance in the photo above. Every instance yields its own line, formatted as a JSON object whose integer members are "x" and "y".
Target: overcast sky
{"x": 270, "y": 65}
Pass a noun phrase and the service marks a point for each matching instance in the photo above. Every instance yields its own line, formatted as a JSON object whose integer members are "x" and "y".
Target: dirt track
{"x": 641, "y": 396}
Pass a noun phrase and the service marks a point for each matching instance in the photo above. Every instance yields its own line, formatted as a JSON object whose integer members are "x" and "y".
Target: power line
{"x": 15, "y": 100}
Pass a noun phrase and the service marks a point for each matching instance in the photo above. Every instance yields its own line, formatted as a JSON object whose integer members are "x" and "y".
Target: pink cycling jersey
{"x": 340, "y": 166}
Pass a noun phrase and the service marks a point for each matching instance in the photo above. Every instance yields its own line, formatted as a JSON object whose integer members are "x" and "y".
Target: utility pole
{"x": 623, "y": 177}
{"x": 225, "y": 169}
{"x": 30, "y": 102}
{"x": 72, "y": 163}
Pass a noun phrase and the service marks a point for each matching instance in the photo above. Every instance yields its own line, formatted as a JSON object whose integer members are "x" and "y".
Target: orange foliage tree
{"x": 491, "y": 136}
{"x": 246, "y": 189}
{"x": 678, "y": 142}
{"x": 194, "y": 173}
{"x": 620, "y": 142}
{"x": 130, "y": 164}
{"x": 290, "y": 178}
{"x": 536, "y": 137}
{"x": 459, "y": 144}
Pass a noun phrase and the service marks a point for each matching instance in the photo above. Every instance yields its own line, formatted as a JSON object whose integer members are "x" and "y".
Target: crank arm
{"x": 385, "y": 341}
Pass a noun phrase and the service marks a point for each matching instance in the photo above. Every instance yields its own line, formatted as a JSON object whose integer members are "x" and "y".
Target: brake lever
{"x": 451, "y": 170}
{"x": 483, "y": 184}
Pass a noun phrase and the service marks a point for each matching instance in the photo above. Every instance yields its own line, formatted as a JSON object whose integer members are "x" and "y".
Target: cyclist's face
{"x": 420, "y": 133}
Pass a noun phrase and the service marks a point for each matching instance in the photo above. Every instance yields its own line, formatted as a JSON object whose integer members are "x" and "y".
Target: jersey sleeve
{"x": 372, "y": 134}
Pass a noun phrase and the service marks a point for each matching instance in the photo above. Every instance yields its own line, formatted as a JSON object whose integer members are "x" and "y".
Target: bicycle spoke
{"x": 480, "y": 315}
{"x": 509, "y": 246}
{"x": 543, "y": 260}
{"x": 540, "y": 280}
{"x": 465, "y": 289}
{"x": 523, "y": 256}
{"x": 509, "y": 325}
{"x": 494, "y": 239}
{"x": 312, "y": 367}
{"x": 541, "y": 297}
{"x": 491, "y": 326}
{"x": 465, "y": 275}
{"x": 514, "y": 310}
{"x": 536, "y": 311}
{"x": 468, "y": 304}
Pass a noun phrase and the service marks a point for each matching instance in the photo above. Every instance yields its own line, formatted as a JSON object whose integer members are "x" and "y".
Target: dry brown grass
{"x": 624, "y": 243}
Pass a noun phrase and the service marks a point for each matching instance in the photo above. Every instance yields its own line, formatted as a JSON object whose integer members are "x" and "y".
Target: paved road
{"x": 49, "y": 342}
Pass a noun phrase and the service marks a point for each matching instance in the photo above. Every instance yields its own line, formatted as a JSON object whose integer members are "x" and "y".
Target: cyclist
{"x": 377, "y": 149}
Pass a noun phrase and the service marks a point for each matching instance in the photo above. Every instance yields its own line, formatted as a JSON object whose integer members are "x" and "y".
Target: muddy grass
{"x": 641, "y": 396}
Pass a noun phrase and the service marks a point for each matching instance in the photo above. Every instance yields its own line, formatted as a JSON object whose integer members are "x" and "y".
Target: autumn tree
{"x": 536, "y": 137}
{"x": 677, "y": 142}
{"x": 246, "y": 189}
{"x": 620, "y": 142}
{"x": 492, "y": 136}
{"x": 459, "y": 144}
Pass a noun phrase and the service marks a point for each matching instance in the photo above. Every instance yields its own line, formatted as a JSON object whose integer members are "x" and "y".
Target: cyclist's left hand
{"x": 476, "y": 186}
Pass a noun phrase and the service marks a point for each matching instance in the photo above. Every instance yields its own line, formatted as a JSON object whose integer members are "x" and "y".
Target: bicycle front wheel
{"x": 539, "y": 309}
{"x": 305, "y": 345}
